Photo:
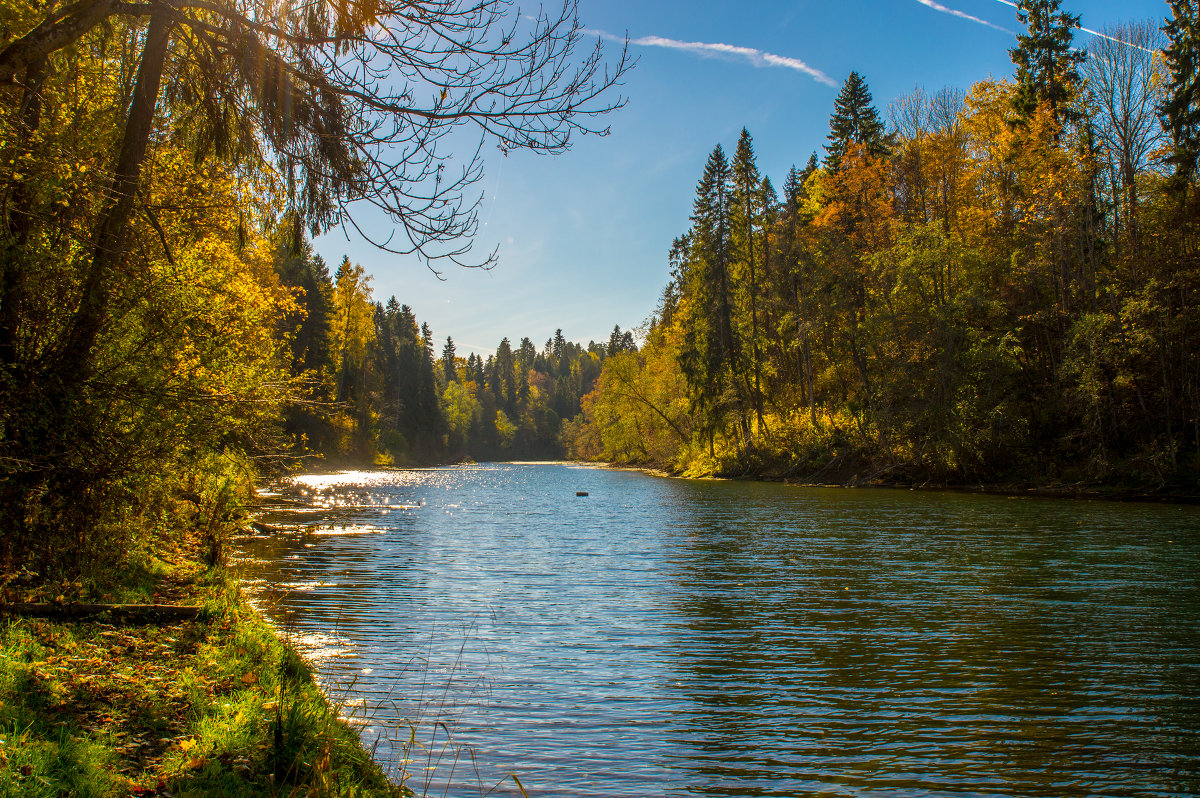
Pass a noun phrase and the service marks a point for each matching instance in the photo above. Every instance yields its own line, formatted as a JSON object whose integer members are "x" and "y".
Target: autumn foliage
{"x": 985, "y": 300}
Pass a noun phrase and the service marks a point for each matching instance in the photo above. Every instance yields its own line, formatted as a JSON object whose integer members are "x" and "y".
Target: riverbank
{"x": 215, "y": 705}
{"x": 855, "y": 479}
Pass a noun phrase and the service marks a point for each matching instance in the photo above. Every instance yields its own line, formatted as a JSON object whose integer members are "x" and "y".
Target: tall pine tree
{"x": 854, "y": 121}
{"x": 1181, "y": 107}
{"x": 746, "y": 208}
{"x": 710, "y": 356}
{"x": 1046, "y": 64}
{"x": 449, "y": 367}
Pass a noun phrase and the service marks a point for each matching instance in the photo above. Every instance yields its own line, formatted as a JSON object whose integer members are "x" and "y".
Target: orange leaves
{"x": 858, "y": 204}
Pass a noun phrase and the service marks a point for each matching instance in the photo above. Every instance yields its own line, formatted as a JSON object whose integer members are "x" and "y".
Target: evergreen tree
{"x": 1181, "y": 107}
{"x": 854, "y": 121}
{"x": 792, "y": 290}
{"x": 429, "y": 422}
{"x": 526, "y": 354}
{"x": 677, "y": 260}
{"x": 388, "y": 363}
{"x": 505, "y": 383}
{"x": 793, "y": 185}
{"x": 614, "y": 341}
{"x": 710, "y": 354}
{"x": 746, "y": 208}
{"x": 448, "y": 363}
{"x": 477, "y": 373}
{"x": 307, "y": 331}
{"x": 809, "y": 168}
{"x": 522, "y": 362}
{"x": 309, "y": 327}
{"x": 1046, "y": 64}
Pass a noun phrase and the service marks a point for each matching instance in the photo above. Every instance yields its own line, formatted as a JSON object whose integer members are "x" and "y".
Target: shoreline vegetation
{"x": 219, "y": 704}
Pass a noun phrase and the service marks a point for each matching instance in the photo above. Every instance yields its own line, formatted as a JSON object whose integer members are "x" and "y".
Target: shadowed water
{"x": 676, "y": 638}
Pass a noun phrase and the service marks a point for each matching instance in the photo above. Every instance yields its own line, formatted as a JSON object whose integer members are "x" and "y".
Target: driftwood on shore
{"x": 132, "y": 612}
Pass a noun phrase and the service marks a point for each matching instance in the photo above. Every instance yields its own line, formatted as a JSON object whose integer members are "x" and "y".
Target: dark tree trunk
{"x": 12, "y": 269}
{"x": 53, "y": 33}
{"x": 108, "y": 249}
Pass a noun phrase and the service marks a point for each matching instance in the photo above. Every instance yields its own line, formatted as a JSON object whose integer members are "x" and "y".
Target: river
{"x": 662, "y": 637}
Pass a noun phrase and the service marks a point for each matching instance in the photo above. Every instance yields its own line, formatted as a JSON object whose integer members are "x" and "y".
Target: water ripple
{"x": 685, "y": 638}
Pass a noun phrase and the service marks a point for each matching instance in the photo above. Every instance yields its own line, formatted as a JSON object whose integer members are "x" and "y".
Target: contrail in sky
{"x": 960, "y": 14}
{"x": 756, "y": 57}
{"x": 1011, "y": 4}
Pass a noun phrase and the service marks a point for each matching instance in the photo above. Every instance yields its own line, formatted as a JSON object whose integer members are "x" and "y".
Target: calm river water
{"x": 679, "y": 638}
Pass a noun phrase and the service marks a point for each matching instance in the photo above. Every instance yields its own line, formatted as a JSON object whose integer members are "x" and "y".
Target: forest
{"x": 375, "y": 390}
{"x": 984, "y": 287}
{"x": 996, "y": 286}
{"x": 167, "y": 336}
{"x": 987, "y": 286}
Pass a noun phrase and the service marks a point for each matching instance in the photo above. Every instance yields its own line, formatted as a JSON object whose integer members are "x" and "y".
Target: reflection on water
{"x": 673, "y": 637}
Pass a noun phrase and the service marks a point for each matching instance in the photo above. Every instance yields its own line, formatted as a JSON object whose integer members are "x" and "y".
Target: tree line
{"x": 996, "y": 285}
{"x": 161, "y": 166}
{"x": 377, "y": 388}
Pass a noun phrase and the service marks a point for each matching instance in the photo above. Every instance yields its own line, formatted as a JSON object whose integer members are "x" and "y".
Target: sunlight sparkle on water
{"x": 700, "y": 637}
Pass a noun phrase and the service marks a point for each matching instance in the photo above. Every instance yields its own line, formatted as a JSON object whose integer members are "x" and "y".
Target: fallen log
{"x": 133, "y": 612}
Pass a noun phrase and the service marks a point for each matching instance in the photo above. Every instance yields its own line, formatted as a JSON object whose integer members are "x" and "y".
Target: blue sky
{"x": 583, "y": 237}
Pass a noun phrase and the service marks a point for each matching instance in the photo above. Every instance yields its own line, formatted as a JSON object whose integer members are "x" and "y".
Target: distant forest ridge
{"x": 376, "y": 390}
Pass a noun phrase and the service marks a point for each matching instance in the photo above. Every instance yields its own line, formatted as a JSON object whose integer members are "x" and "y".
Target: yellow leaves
{"x": 858, "y": 203}
{"x": 353, "y": 314}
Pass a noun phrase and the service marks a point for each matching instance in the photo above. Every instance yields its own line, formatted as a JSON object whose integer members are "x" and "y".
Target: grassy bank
{"x": 217, "y": 705}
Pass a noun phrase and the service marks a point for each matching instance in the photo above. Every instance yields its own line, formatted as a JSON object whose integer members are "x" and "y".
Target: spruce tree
{"x": 710, "y": 354}
{"x": 614, "y": 341}
{"x": 792, "y": 186}
{"x": 448, "y": 364}
{"x": 308, "y": 329}
{"x": 710, "y": 220}
{"x": 854, "y": 121}
{"x": 430, "y": 423}
{"x": 1046, "y": 64}
{"x": 746, "y": 210}
{"x": 1181, "y": 107}
{"x": 505, "y": 378}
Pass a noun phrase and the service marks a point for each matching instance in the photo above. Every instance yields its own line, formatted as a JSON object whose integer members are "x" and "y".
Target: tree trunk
{"x": 109, "y": 246}
{"x": 19, "y": 222}
{"x": 53, "y": 33}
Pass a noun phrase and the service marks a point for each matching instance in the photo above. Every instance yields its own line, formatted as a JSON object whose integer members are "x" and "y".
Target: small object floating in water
{"x": 581, "y": 493}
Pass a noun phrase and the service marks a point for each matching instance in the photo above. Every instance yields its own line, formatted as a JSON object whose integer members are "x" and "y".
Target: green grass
{"x": 214, "y": 706}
